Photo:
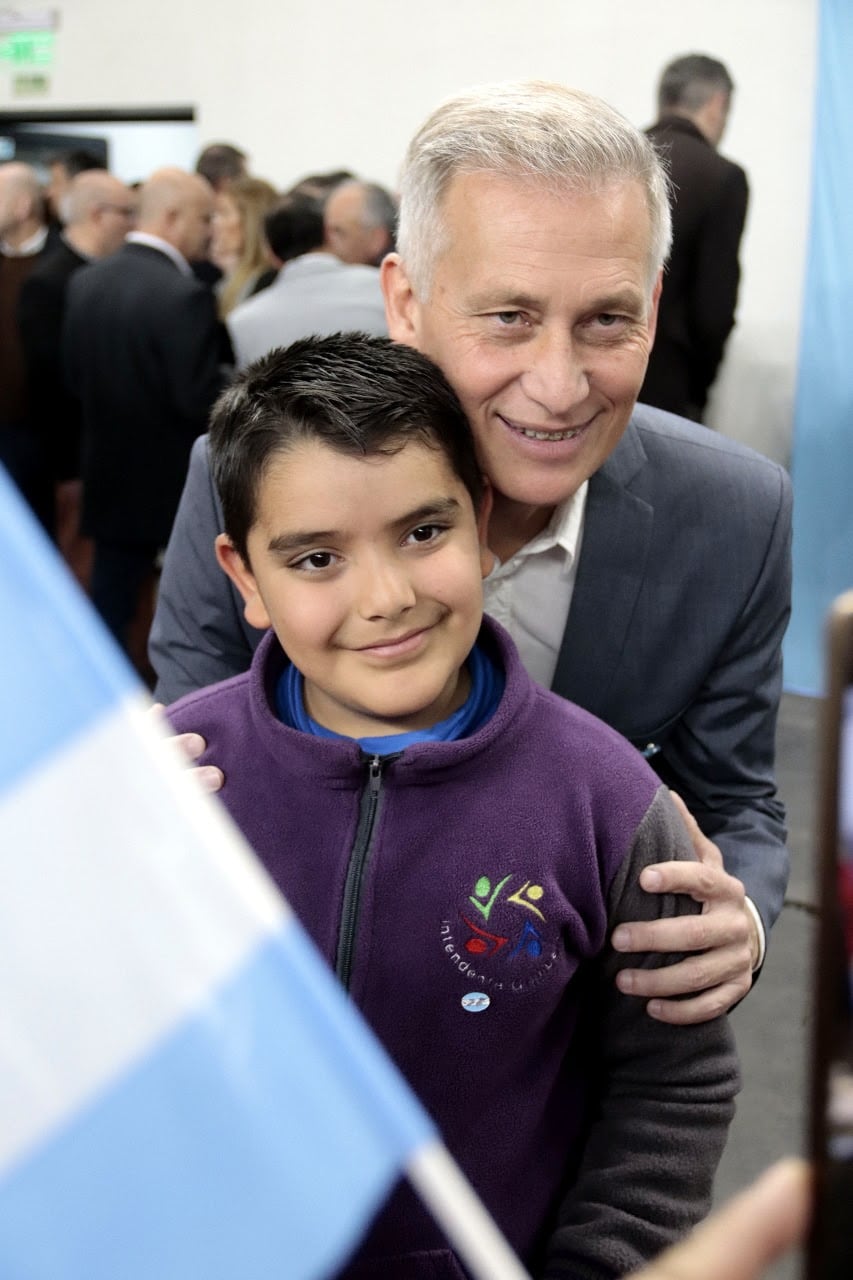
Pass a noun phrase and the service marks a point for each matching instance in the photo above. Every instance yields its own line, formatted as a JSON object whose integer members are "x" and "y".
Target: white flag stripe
{"x": 452, "y": 1201}
{"x": 139, "y": 884}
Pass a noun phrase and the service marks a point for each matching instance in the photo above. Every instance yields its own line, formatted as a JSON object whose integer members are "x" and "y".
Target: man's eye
{"x": 607, "y": 319}
{"x": 508, "y": 317}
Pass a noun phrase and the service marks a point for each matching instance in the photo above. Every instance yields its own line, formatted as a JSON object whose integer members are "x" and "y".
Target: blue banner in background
{"x": 822, "y": 466}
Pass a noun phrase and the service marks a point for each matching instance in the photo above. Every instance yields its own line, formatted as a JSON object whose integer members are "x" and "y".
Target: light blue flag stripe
{"x": 58, "y": 666}
{"x": 822, "y": 465}
{"x": 255, "y": 1136}
{"x": 256, "y": 1141}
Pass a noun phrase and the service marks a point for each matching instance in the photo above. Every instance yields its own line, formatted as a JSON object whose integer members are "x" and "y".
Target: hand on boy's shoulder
{"x": 723, "y": 935}
{"x": 192, "y": 746}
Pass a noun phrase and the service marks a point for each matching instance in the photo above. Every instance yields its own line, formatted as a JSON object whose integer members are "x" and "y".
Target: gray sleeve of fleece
{"x": 664, "y": 1102}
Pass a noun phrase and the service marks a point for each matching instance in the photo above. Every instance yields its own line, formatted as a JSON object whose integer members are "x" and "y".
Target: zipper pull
{"x": 374, "y": 773}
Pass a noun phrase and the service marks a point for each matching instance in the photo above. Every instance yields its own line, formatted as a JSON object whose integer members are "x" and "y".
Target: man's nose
{"x": 556, "y": 379}
{"x": 385, "y": 588}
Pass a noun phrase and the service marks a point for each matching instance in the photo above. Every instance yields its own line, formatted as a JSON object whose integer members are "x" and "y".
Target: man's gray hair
{"x": 560, "y": 139}
{"x": 379, "y": 208}
{"x": 687, "y": 83}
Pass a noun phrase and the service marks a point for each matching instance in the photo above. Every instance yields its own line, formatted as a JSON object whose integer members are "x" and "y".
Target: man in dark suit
{"x": 709, "y": 199}
{"x": 97, "y": 213}
{"x": 643, "y": 565}
{"x": 142, "y": 348}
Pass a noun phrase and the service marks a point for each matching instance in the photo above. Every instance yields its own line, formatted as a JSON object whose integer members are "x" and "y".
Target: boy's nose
{"x": 386, "y": 590}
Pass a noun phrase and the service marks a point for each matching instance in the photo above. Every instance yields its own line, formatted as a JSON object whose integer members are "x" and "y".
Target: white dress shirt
{"x": 531, "y": 593}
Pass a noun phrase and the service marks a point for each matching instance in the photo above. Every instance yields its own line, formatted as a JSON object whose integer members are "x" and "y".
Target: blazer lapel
{"x": 616, "y": 539}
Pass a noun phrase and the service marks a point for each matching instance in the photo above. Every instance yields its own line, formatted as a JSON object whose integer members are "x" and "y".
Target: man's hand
{"x": 746, "y": 1235}
{"x": 192, "y": 745}
{"x": 724, "y": 932}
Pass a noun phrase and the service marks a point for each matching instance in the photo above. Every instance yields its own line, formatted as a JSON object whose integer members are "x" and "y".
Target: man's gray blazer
{"x": 313, "y": 294}
{"x": 674, "y": 634}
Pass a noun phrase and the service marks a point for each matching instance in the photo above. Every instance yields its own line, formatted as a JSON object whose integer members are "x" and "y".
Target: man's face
{"x": 193, "y": 222}
{"x": 346, "y": 235}
{"x": 370, "y": 572}
{"x": 115, "y": 217}
{"x": 541, "y": 316}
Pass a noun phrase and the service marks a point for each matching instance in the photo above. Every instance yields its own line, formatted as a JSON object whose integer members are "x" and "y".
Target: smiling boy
{"x": 459, "y": 842}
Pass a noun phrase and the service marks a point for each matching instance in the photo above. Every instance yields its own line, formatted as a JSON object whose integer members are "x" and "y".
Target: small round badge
{"x": 475, "y": 1001}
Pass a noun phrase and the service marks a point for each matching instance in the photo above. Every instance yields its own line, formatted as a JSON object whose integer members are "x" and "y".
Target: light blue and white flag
{"x": 185, "y": 1091}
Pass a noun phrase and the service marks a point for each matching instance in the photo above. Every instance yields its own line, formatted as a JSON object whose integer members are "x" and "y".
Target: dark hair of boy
{"x": 359, "y": 395}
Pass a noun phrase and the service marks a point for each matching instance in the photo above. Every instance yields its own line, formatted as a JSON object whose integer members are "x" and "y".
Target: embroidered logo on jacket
{"x": 500, "y": 936}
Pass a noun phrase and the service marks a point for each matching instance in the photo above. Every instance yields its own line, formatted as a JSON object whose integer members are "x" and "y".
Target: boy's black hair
{"x": 359, "y": 395}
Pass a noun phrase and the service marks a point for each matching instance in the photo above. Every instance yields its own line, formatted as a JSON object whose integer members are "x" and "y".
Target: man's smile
{"x": 550, "y": 436}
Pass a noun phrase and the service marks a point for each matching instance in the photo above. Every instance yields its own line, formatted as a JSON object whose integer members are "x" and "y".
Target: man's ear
{"x": 487, "y": 558}
{"x": 401, "y": 305}
{"x": 232, "y": 563}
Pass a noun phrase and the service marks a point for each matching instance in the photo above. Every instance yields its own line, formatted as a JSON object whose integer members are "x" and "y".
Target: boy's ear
{"x": 233, "y": 564}
{"x": 487, "y": 558}
{"x": 401, "y": 305}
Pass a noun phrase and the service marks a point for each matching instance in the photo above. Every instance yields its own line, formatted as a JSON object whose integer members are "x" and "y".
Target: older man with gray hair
{"x": 643, "y": 565}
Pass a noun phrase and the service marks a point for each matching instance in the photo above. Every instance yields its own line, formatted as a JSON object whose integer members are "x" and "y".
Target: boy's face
{"x": 370, "y": 572}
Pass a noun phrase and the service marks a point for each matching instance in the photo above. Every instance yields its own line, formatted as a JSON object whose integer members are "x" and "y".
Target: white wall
{"x": 333, "y": 83}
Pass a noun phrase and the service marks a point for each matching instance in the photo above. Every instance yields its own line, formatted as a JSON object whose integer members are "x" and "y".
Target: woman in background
{"x": 237, "y": 245}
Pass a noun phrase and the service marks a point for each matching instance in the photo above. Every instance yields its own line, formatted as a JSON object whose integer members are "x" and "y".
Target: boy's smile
{"x": 370, "y": 571}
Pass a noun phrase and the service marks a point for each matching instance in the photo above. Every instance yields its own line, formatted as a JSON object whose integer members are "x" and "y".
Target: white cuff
{"x": 762, "y": 941}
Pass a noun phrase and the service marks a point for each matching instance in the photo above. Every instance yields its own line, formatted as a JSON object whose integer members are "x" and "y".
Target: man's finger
{"x": 704, "y": 849}
{"x": 704, "y": 882}
{"x": 701, "y": 972}
{"x": 721, "y": 928}
{"x": 702, "y": 1008}
{"x": 210, "y": 778}
{"x": 192, "y": 745}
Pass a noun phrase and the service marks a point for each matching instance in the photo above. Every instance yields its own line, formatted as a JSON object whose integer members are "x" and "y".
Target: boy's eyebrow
{"x": 431, "y": 511}
{"x": 284, "y": 543}
{"x": 296, "y": 540}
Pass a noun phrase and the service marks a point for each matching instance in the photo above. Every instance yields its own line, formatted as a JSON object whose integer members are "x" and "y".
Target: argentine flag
{"x": 185, "y": 1091}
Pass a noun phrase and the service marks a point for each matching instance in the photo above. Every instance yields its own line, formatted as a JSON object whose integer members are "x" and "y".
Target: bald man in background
{"x": 143, "y": 352}
{"x": 97, "y": 213}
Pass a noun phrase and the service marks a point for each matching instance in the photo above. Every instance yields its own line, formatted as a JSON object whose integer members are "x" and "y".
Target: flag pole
{"x": 460, "y": 1213}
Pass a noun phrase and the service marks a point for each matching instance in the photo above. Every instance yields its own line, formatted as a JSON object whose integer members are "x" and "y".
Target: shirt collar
{"x": 28, "y": 249}
{"x": 156, "y": 242}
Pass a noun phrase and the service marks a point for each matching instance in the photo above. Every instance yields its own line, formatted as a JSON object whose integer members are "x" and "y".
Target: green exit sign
{"x": 27, "y": 48}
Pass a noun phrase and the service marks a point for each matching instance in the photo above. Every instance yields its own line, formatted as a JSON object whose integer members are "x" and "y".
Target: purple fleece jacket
{"x": 498, "y": 864}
